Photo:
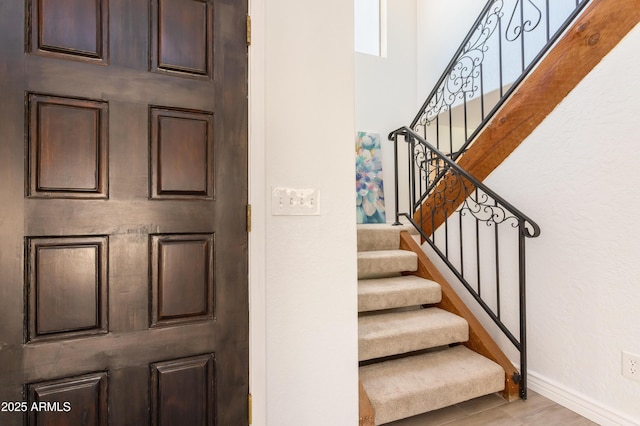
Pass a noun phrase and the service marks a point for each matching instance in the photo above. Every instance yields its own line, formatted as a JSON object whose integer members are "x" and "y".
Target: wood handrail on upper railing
{"x": 589, "y": 39}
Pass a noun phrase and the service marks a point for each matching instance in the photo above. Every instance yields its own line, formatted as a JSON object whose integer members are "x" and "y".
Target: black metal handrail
{"x": 497, "y": 54}
{"x": 462, "y": 198}
{"x": 505, "y": 43}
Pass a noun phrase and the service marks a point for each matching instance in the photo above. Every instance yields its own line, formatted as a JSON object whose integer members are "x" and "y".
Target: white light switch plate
{"x": 295, "y": 201}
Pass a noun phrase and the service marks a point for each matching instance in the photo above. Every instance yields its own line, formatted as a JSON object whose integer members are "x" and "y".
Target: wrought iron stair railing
{"x": 475, "y": 218}
{"x": 456, "y": 214}
{"x": 504, "y": 44}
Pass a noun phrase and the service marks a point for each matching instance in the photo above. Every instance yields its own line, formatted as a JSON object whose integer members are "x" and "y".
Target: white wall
{"x": 385, "y": 87}
{"x": 577, "y": 176}
{"x": 303, "y": 269}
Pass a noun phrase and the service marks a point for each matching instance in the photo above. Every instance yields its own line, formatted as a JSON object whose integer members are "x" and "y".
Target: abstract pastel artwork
{"x": 369, "y": 188}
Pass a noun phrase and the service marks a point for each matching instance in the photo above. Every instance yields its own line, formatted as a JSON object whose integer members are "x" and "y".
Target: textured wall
{"x": 576, "y": 175}
{"x": 310, "y": 273}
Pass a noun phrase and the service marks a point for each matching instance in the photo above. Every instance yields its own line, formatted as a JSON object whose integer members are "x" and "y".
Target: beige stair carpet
{"x": 392, "y": 323}
{"x": 396, "y": 292}
{"x": 380, "y": 263}
{"x": 417, "y": 384}
{"x": 380, "y": 236}
{"x": 402, "y": 332}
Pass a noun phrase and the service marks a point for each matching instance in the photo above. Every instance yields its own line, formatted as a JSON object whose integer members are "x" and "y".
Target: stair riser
{"x": 402, "y": 332}
{"x": 401, "y": 344}
{"x": 376, "y": 241}
{"x": 390, "y": 293}
{"x": 379, "y": 237}
{"x": 386, "y": 266}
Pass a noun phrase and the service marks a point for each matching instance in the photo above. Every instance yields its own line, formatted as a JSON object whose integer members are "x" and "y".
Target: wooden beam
{"x": 591, "y": 37}
{"x": 479, "y": 339}
{"x": 365, "y": 408}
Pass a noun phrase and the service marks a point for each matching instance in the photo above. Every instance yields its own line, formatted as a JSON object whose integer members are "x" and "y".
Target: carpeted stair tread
{"x": 396, "y": 292}
{"x": 381, "y": 263}
{"x": 401, "y": 332}
{"x": 409, "y": 386}
{"x": 380, "y": 236}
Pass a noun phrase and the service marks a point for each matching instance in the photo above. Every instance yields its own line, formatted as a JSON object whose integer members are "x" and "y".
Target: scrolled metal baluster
{"x": 464, "y": 71}
{"x": 526, "y": 25}
{"x": 459, "y": 192}
{"x": 481, "y": 203}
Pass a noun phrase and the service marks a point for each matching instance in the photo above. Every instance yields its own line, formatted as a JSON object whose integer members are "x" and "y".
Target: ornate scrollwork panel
{"x": 529, "y": 19}
{"x": 462, "y": 79}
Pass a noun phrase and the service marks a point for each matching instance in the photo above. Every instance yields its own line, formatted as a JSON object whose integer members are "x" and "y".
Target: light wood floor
{"x": 495, "y": 411}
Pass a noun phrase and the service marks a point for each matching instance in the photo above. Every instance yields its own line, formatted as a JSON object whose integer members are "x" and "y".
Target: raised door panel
{"x": 71, "y": 29}
{"x": 67, "y": 147}
{"x": 67, "y": 287}
{"x": 183, "y": 392}
{"x": 75, "y": 401}
{"x": 181, "y": 149}
{"x": 182, "y": 37}
{"x": 182, "y": 278}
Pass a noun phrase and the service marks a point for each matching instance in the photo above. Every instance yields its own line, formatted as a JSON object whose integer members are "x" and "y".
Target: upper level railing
{"x": 505, "y": 43}
{"x": 477, "y": 240}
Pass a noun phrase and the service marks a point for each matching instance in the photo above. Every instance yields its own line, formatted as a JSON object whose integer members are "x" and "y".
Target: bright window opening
{"x": 370, "y": 27}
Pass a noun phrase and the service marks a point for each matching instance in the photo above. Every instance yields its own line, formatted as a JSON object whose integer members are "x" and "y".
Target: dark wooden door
{"x": 123, "y": 182}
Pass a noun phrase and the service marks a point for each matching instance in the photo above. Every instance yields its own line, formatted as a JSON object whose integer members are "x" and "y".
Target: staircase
{"x": 411, "y": 355}
{"x": 420, "y": 347}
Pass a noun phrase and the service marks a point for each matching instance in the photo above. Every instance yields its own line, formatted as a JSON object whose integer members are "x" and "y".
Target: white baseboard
{"x": 581, "y": 404}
